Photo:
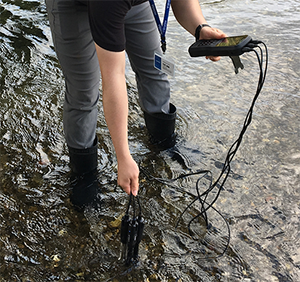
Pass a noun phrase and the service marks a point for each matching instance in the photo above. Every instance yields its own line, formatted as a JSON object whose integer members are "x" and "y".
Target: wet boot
{"x": 84, "y": 182}
{"x": 161, "y": 128}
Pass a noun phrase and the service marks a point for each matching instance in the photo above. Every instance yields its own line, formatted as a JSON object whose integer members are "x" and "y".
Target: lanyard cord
{"x": 162, "y": 28}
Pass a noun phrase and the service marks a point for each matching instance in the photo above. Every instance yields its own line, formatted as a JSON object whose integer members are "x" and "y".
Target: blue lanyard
{"x": 162, "y": 28}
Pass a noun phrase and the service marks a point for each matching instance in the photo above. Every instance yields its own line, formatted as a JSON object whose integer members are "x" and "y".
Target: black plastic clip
{"x": 163, "y": 44}
{"x": 236, "y": 63}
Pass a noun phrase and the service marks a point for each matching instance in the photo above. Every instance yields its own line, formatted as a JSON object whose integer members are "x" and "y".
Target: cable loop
{"x": 202, "y": 198}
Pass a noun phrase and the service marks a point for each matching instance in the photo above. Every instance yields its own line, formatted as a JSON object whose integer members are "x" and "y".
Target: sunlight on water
{"x": 42, "y": 237}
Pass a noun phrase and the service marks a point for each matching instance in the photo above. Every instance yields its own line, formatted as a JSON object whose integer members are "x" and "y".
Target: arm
{"x": 115, "y": 104}
{"x": 189, "y": 14}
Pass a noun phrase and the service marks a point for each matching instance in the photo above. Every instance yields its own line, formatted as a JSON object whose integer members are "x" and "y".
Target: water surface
{"x": 42, "y": 238}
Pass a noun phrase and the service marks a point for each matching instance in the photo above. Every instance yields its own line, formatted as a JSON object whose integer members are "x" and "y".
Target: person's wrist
{"x": 198, "y": 30}
{"x": 124, "y": 159}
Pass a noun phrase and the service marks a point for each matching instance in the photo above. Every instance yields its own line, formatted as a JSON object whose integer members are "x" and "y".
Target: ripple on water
{"x": 42, "y": 238}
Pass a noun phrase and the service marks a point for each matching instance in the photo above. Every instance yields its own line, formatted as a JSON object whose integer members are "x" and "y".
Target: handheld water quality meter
{"x": 132, "y": 230}
{"x": 228, "y": 46}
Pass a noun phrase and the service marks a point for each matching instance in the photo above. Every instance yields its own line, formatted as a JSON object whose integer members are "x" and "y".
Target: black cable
{"x": 131, "y": 232}
{"x": 203, "y": 197}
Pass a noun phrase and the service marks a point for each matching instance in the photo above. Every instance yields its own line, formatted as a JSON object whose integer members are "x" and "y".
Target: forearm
{"x": 115, "y": 106}
{"x": 188, "y": 13}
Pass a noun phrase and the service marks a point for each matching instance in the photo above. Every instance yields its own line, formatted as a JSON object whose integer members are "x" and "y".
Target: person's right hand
{"x": 115, "y": 105}
{"x": 128, "y": 175}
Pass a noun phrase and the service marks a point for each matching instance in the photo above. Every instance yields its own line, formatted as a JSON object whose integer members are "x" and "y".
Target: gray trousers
{"x": 76, "y": 53}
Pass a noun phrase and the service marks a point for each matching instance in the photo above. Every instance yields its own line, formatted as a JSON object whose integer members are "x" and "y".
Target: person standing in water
{"x": 91, "y": 37}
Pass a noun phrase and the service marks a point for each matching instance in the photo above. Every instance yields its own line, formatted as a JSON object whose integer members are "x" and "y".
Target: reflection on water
{"x": 42, "y": 238}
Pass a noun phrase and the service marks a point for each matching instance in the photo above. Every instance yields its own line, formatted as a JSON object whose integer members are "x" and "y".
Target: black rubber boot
{"x": 161, "y": 128}
{"x": 84, "y": 182}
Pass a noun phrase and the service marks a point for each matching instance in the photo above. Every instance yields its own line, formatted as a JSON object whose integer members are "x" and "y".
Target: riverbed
{"x": 255, "y": 220}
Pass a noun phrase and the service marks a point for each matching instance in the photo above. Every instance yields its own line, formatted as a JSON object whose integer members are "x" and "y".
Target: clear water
{"x": 42, "y": 238}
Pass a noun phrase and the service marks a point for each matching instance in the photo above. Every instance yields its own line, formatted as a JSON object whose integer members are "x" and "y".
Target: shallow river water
{"x": 42, "y": 237}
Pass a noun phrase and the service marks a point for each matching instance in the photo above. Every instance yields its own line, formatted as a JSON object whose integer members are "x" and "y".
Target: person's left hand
{"x": 211, "y": 33}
